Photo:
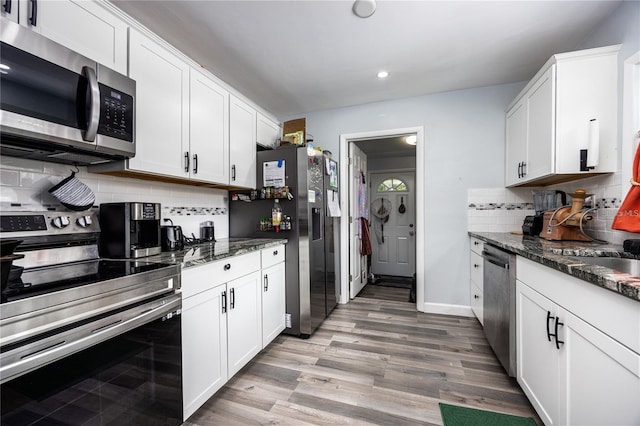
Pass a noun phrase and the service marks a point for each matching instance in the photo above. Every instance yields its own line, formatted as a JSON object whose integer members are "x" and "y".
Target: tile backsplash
{"x": 24, "y": 185}
{"x": 504, "y": 209}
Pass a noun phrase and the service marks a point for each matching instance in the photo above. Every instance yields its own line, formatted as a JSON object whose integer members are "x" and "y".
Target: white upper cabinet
{"x": 242, "y": 143}
{"x": 209, "y": 130}
{"x": 83, "y": 26}
{"x": 548, "y": 123}
{"x": 162, "y": 108}
{"x": 9, "y": 10}
{"x": 267, "y": 131}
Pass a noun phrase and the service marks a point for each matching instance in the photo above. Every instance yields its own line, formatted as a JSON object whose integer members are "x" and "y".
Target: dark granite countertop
{"x": 210, "y": 252}
{"x": 554, "y": 255}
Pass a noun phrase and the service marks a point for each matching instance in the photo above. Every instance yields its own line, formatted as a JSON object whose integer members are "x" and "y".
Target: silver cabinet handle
{"x": 94, "y": 106}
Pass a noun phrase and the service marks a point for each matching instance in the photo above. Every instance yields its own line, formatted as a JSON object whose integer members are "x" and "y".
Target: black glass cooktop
{"x": 38, "y": 281}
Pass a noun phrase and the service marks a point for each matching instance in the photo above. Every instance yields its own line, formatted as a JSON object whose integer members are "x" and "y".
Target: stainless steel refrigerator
{"x": 312, "y": 251}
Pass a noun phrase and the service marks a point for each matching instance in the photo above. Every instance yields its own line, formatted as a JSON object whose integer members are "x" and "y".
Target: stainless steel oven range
{"x": 85, "y": 340}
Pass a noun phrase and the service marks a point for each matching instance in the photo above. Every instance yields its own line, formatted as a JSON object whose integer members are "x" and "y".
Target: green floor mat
{"x": 453, "y": 415}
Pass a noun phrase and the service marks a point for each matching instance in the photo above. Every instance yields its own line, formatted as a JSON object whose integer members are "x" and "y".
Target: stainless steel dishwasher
{"x": 500, "y": 305}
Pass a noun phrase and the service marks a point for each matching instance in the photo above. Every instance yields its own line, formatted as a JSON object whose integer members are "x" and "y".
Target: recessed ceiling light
{"x": 364, "y": 8}
{"x": 411, "y": 139}
{"x": 383, "y": 74}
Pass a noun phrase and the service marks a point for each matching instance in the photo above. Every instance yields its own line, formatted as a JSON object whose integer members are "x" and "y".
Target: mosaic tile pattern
{"x": 500, "y": 206}
{"x": 193, "y": 211}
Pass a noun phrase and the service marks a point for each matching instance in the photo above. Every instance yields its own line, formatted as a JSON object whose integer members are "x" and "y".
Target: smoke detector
{"x": 364, "y": 8}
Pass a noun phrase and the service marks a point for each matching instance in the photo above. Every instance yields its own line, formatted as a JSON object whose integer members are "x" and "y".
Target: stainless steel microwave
{"x": 60, "y": 106}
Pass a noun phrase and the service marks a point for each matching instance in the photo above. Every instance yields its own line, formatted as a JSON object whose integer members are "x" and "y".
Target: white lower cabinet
{"x": 231, "y": 309}
{"x": 221, "y": 325}
{"x": 273, "y": 302}
{"x": 572, "y": 372}
{"x": 204, "y": 345}
{"x": 273, "y": 293}
{"x": 476, "y": 282}
{"x": 244, "y": 321}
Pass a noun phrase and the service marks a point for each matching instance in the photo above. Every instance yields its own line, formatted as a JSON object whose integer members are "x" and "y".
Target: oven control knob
{"x": 84, "y": 221}
{"x": 60, "y": 222}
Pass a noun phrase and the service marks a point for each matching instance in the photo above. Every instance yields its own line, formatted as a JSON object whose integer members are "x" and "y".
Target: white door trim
{"x": 345, "y": 138}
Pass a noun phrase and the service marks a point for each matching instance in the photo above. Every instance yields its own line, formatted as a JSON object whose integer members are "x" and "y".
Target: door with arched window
{"x": 393, "y": 241}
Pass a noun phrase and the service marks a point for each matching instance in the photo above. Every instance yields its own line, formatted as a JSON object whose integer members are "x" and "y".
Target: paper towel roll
{"x": 593, "y": 153}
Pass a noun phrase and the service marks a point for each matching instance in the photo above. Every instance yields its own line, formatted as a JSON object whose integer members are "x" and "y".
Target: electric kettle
{"x": 171, "y": 237}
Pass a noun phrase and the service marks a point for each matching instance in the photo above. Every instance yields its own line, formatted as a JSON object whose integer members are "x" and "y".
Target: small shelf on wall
{"x": 267, "y": 193}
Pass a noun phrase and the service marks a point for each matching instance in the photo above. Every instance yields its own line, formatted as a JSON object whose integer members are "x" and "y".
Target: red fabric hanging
{"x": 365, "y": 245}
{"x": 628, "y": 216}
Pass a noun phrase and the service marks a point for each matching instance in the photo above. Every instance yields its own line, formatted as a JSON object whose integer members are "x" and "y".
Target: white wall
{"x": 464, "y": 148}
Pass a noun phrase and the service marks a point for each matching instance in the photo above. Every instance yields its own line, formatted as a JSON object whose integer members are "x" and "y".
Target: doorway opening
{"x": 385, "y": 188}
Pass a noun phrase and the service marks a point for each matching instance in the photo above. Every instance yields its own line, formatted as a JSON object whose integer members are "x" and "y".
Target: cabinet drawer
{"x": 201, "y": 278}
{"x": 272, "y": 255}
{"x": 477, "y": 301}
{"x": 476, "y": 268}
{"x": 476, "y": 245}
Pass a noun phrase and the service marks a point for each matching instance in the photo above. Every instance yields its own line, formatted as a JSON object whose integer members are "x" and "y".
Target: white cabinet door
{"x": 242, "y": 143}
{"x": 244, "y": 321}
{"x": 9, "y": 9}
{"x": 209, "y": 130}
{"x": 516, "y": 143}
{"x": 273, "y": 302}
{"x": 540, "y": 158}
{"x": 85, "y": 27}
{"x": 600, "y": 379}
{"x": 162, "y": 104}
{"x": 538, "y": 363}
{"x": 204, "y": 346}
{"x": 267, "y": 132}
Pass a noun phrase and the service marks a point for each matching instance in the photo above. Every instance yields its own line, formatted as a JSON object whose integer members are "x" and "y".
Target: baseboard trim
{"x": 446, "y": 309}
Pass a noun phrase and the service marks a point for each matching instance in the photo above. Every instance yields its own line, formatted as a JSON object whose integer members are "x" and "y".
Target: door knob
{"x": 411, "y": 233}
{"x": 411, "y": 225}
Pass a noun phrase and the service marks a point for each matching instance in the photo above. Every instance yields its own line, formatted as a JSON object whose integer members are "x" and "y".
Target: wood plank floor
{"x": 373, "y": 361}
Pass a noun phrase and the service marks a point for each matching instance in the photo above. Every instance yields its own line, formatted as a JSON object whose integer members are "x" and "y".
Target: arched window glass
{"x": 393, "y": 184}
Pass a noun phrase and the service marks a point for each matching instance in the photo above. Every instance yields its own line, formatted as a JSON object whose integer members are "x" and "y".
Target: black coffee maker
{"x": 129, "y": 230}
{"x": 543, "y": 200}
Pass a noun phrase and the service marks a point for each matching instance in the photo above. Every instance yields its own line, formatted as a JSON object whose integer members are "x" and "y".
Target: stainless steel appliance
{"x": 82, "y": 338}
{"x": 543, "y": 200}
{"x": 171, "y": 237}
{"x": 499, "y": 308}
{"x": 312, "y": 251}
{"x": 130, "y": 230}
{"x": 207, "y": 231}
{"x": 60, "y": 106}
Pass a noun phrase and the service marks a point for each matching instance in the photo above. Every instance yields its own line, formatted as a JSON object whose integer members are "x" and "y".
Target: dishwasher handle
{"x": 494, "y": 260}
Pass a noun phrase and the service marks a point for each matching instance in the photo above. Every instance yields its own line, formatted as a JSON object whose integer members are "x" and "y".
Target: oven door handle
{"x": 26, "y": 358}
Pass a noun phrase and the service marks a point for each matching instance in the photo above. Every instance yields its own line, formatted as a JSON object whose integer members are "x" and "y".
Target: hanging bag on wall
{"x": 628, "y": 216}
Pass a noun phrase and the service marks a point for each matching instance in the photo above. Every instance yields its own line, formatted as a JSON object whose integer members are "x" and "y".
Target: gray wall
{"x": 464, "y": 138}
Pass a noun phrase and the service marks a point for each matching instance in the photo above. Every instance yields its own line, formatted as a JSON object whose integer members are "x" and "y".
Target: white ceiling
{"x": 293, "y": 57}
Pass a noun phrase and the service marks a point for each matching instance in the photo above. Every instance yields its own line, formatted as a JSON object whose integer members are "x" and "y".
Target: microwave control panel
{"x": 116, "y": 114}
